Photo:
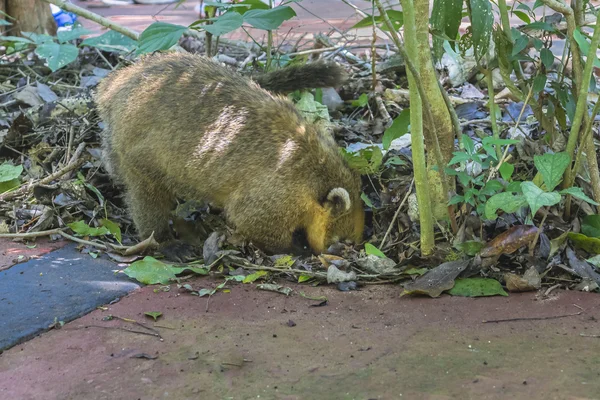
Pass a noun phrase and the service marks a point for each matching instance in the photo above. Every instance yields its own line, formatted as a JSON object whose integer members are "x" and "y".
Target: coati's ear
{"x": 338, "y": 201}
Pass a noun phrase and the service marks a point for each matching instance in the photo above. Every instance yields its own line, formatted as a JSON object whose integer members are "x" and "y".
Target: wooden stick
{"x": 82, "y": 12}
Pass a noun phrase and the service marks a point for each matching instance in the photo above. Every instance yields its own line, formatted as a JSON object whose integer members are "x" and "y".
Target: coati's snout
{"x": 340, "y": 217}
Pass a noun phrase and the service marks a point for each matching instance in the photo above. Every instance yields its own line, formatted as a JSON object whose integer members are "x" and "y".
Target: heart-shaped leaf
{"x": 504, "y": 201}
{"x": 552, "y": 167}
{"x": 57, "y": 55}
{"x": 159, "y": 36}
{"x": 578, "y": 192}
{"x": 537, "y": 198}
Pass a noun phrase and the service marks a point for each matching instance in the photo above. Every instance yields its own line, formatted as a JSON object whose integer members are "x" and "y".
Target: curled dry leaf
{"x": 510, "y": 241}
{"x": 334, "y": 275}
{"x": 530, "y": 281}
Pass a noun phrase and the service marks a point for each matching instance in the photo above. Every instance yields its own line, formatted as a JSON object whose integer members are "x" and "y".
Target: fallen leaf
{"x": 153, "y": 314}
{"x": 528, "y": 282}
{"x": 510, "y": 241}
{"x": 334, "y": 275}
{"x": 437, "y": 280}
{"x": 477, "y": 287}
{"x": 591, "y": 245}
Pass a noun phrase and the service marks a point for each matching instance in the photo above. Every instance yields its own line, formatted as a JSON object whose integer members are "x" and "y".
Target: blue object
{"x": 64, "y": 284}
{"x": 62, "y": 18}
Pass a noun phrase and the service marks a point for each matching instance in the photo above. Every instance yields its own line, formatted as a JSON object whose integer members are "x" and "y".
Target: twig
{"x": 397, "y": 213}
{"x": 25, "y": 188}
{"x": 531, "y": 318}
{"x": 592, "y": 336}
{"x": 537, "y": 235}
{"x": 124, "y": 329}
{"x": 381, "y": 107}
{"x": 82, "y": 12}
{"x": 28, "y": 235}
{"x": 82, "y": 241}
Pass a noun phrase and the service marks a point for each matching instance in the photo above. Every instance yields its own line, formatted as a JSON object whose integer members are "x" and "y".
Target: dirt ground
{"x": 368, "y": 344}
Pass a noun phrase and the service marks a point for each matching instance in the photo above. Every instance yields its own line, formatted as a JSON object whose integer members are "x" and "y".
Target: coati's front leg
{"x": 150, "y": 206}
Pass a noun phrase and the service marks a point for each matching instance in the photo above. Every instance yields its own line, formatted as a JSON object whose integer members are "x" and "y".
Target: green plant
{"x": 469, "y": 167}
{"x": 551, "y": 167}
{"x": 59, "y": 51}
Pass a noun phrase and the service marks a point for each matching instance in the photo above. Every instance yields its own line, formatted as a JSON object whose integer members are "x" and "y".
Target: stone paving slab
{"x": 63, "y": 284}
{"x": 368, "y": 344}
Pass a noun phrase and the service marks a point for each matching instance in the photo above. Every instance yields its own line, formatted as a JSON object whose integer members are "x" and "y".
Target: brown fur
{"x": 182, "y": 126}
{"x": 306, "y": 76}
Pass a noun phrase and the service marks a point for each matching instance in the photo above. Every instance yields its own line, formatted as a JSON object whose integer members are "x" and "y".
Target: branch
{"x": 82, "y": 12}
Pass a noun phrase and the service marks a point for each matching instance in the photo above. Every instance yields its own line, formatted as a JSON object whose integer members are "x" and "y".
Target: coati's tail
{"x": 307, "y": 76}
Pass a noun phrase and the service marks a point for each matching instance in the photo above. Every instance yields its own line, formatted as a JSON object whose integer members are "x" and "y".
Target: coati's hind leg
{"x": 150, "y": 205}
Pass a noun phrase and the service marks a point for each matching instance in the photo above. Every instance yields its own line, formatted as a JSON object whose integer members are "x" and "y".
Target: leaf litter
{"x": 52, "y": 180}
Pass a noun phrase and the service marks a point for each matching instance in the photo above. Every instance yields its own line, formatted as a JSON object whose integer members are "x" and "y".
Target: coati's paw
{"x": 179, "y": 251}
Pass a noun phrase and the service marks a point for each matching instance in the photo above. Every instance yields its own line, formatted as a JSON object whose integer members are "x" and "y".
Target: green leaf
{"x": 111, "y": 41}
{"x": 362, "y": 100}
{"x": 304, "y": 278}
{"x": 83, "y": 229}
{"x": 459, "y": 156}
{"x": 269, "y": 19}
{"x": 372, "y": 250}
{"x": 366, "y": 199}
{"x": 584, "y": 45}
{"x": 252, "y": 277}
{"x": 477, "y": 287}
{"x": 150, "y": 271}
{"x": 398, "y": 128}
{"x": 38, "y": 38}
{"x": 539, "y": 83}
{"x": 160, "y": 36}
{"x": 522, "y": 16}
{"x": 57, "y": 55}
{"x": 4, "y": 22}
{"x": 482, "y": 22}
{"x": 153, "y": 314}
{"x": 67, "y": 36}
{"x": 15, "y": 39}
{"x": 504, "y": 201}
{"x": 537, "y": 198}
{"x": 445, "y": 17}
{"x": 366, "y": 161}
{"x": 506, "y": 170}
{"x": 247, "y": 5}
{"x": 395, "y": 17}
{"x": 552, "y": 167}
{"x": 547, "y": 58}
{"x": 394, "y": 160}
{"x": 590, "y": 226}
{"x": 491, "y": 187}
{"x": 9, "y": 185}
{"x": 589, "y": 244}
{"x": 470, "y": 247}
{"x": 10, "y": 172}
{"x": 285, "y": 261}
{"x": 521, "y": 42}
{"x": 578, "y": 192}
{"x": 112, "y": 227}
{"x": 539, "y": 25}
{"x": 228, "y": 22}
{"x": 196, "y": 270}
{"x": 468, "y": 144}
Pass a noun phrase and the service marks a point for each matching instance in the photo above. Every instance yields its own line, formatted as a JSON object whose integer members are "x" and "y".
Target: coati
{"x": 179, "y": 125}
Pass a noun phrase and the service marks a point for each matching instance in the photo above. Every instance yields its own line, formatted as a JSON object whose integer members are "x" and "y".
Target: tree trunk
{"x": 29, "y": 16}
{"x": 441, "y": 115}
